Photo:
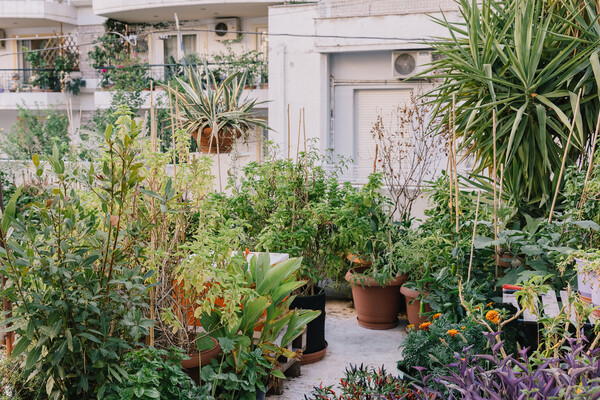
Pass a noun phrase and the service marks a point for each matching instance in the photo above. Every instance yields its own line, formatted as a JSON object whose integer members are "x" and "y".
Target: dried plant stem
{"x": 375, "y": 159}
{"x": 495, "y": 182}
{"x": 589, "y": 170}
{"x": 564, "y": 160}
{"x": 454, "y": 160}
{"x": 473, "y": 238}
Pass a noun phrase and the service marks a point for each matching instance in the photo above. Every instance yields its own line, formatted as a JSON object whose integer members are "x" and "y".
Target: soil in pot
{"x": 315, "y": 330}
{"x": 413, "y": 306}
{"x": 377, "y": 307}
{"x": 192, "y": 366}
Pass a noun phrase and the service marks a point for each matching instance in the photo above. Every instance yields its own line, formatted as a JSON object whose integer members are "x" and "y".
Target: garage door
{"x": 369, "y": 104}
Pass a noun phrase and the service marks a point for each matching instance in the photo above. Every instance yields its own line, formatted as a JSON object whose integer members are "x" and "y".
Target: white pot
{"x": 584, "y": 279}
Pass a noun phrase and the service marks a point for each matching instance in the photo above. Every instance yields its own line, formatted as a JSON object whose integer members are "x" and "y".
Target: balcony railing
{"x": 23, "y": 80}
{"x": 139, "y": 77}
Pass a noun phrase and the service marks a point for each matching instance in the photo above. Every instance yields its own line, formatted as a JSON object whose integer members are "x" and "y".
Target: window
{"x": 171, "y": 47}
{"x": 262, "y": 40}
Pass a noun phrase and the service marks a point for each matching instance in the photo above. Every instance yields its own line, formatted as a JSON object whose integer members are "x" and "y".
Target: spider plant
{"x": 527, "y": 60}
{"x": 205, "y": 103}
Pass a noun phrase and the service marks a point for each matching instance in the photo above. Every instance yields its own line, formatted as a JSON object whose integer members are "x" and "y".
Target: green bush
{"x": 155, "y": 374}
{"x": 36, "y": 132}
{"x": 433, "y": 346}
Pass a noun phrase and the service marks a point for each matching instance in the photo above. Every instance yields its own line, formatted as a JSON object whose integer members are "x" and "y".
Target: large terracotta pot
{"x": 377, "y": 307}
{"x": 413, "y": 306}
{"x": 226, "y": 140}
{"x": 192, "y": 366}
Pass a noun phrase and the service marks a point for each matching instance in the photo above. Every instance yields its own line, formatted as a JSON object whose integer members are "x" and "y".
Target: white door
{"x": 368, "y": 105}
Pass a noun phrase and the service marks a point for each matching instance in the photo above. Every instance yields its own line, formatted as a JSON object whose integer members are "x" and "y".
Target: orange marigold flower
{"x": 478, "y": 308}
{"x": 436, "y": 316}
{"x": 493, "y": 316}
{"x": 463, "y": 327}
{"x": 411, "y": 326}
{"x": 425, "y": 325}
{"x": 452, "y": 332}
{"x": 489, "y": 304}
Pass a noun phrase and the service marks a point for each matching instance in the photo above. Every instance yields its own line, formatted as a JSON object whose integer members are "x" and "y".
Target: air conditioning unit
{"x": 406, "y": 64}
{"x": 227, "y": 29}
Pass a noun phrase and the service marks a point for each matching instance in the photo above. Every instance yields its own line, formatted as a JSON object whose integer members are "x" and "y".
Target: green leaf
{"x": 20, "y": 347}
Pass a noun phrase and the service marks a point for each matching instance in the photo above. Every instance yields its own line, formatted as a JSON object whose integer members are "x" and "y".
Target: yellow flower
{"x": 411, "y": 326}
{"x": 463, "y": 327}
{"x": 436, "y": 316}
{"x": 489, "y": 304}
{"x": 452, "y": 332}
{"x": 425, "y": 326}
{"x": 493, "y": 316}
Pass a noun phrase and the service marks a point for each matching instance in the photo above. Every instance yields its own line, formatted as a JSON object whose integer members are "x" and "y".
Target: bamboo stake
{"x": 152, "y": 124}
{"x": 299, "y": 128}
{"x": 564, "y": 160}
{"x": 495, "y": 180}
{"x": 501, "y": 185}
{"x": 175, "y": 154}
{"x": 473, "y": 238}
{"x": 589, "y": 170}
{"x": 288, "y": 132}
{"x": 455, "y": 163}
{"x": 450, "y": 180}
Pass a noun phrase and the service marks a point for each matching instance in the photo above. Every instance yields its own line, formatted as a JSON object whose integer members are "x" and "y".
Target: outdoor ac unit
{"x": 406, "y": 64}
{"x": 227, "y": 29}
{"x": 2, "y": 41}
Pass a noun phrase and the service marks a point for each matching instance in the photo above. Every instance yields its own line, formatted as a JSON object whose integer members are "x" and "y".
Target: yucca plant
{"x": 215, "y": 110}
{"x": 527, "y": 60}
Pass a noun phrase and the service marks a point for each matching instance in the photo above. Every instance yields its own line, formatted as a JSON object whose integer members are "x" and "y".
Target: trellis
{"x": 64, "y": 46}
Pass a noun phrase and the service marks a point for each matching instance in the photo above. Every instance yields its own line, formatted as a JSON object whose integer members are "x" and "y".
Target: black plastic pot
{"x": 315, "y": 330}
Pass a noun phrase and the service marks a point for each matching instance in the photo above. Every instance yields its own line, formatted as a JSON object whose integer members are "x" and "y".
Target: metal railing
{"x": 24, "y": 79}
{"x": 139, "y": 77}
{"x": 355, "y": 8}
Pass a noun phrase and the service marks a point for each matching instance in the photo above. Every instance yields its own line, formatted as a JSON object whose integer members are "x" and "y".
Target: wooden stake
{"x": 153, "y": 140}
{"x": 473, "y": 238}
{"x": 590, "y": 167}
{"x": 288, "y": 132}
{"x": 564, "y": 160}
{"x": 299, "y": 128}
{"x": 495, "y": 180}
{"x": 454, "y": 156}
{"x": 375, "y": 159}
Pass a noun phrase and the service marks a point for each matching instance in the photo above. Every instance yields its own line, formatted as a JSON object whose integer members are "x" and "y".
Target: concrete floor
{"x": 349, "y": 343}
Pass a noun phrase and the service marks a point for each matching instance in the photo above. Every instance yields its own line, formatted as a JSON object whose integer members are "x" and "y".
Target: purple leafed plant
{"x": 574, "y": 375}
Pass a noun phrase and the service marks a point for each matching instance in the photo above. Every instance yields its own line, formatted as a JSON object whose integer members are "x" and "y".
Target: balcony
{"x": 36, "y": 13}
{"x": 163, "y": 10}
{"x": 139, "y": 78}
{"x": 17, "y": 90}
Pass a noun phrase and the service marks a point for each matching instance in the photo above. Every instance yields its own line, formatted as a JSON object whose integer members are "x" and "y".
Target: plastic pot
{"x": 413, "y": 307}
{"x": 315, "y": 330}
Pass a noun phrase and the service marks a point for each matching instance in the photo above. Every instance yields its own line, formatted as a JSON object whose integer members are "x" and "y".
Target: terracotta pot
{"x": 192, "y": 366}
{"x": 413, "y": 307}
{"x": 377, "y": 307}
{"x": 226, "y": 140}
{"x": 357, "y": 261}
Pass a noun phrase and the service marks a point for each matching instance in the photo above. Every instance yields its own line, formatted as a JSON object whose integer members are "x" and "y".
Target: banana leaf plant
{"x": 265, "y": 320}
{"x": 525, "y": 60}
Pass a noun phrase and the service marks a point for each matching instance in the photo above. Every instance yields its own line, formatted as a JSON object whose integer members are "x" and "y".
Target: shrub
{"x": 433, "y": 347}
{"x": 154, "y": 374}
{"x": 574, "y": 375}
{"x": 362, "y": 383}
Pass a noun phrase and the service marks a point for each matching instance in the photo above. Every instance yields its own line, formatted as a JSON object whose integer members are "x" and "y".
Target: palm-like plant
{"x": 527, "y": 60}
{"x": 215, "y": 112}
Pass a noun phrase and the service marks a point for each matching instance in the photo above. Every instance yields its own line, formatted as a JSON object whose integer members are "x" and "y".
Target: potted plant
{"x": 289, "y": 206}
{"x": 367, "y": 236}
{"x": 215, "y": 113}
